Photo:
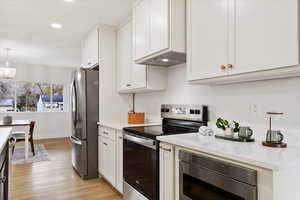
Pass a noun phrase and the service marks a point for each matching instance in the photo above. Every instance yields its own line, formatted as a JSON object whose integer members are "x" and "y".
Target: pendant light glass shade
{"x": 7, "y": 72}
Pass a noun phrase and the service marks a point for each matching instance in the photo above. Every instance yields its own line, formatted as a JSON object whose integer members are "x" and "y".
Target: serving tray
{"x": 234, "y": 139}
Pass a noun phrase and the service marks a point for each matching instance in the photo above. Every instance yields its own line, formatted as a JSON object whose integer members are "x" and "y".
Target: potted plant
{"x": 229, "y": 128}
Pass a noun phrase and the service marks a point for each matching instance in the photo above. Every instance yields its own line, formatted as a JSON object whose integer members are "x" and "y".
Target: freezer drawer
{"x": 79, "y": 156}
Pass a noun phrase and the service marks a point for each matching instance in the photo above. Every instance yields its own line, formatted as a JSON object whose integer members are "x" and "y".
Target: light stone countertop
{"x": 248, "y": 153}
{"x": 5, "y": 134}
{"x": 120, "y": 126}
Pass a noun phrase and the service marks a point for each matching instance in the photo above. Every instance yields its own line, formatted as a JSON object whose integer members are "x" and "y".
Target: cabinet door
{"x": 100, "y": 155}
{"x": 138, "y": 76}
{"x": 119, "y": 155}
{"x": 266, "y": 34}
{"x": 109, "y": 160}
{"x": 124, "y": 57}
{"x": 83, "y": 53}
{"x": 166, "y": 170}
{"x": 159, "y": 25}
{"x": 141, "y": 28}
{"x": 92, "y": 48}
{"x": 207, "y": 38}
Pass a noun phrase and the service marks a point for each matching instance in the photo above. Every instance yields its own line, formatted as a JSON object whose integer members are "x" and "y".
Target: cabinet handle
{"x": 223, "y": 67}
{"x": 165, "y": 149}
{"x": 104, "y": 143}
{"x": 106, "y": 133}
{"x": 120, "y": 137}
{"x": 128, "y": 85}
{"x": 89, "y": 63}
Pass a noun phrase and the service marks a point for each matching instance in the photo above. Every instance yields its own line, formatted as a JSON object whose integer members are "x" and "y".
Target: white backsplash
{"x": 233, "y": 102}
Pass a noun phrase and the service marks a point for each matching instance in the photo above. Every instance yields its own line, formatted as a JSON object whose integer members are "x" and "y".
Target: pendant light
{"x": 7, "y": 72}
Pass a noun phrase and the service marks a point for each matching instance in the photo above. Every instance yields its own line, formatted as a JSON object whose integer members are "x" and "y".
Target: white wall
{"x": 232, "y": 102}
{"x": 48, "y": 125}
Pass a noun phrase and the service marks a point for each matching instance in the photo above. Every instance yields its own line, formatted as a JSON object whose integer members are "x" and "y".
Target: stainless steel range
{"x": 141, "y": 149}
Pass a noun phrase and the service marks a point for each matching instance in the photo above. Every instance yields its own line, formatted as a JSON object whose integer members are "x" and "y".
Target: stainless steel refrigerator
{"x": 85, "y": 115}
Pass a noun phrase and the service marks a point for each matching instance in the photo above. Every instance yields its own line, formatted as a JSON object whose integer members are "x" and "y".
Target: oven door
{"x": 140, "y": 166}
{"x": 198, "y": 183}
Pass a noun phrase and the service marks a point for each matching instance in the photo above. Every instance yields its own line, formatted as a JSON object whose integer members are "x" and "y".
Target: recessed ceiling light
{"x": 165, "y": 60}
{"x": 56, "y": 26}
{"x": 68, "y": 0}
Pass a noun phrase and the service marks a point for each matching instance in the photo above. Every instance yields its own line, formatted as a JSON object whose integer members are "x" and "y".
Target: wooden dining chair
{"x": 20, "y": 136}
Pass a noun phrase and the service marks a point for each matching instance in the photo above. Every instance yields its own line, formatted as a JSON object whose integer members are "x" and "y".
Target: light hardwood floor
{"x": 55, "y": 179}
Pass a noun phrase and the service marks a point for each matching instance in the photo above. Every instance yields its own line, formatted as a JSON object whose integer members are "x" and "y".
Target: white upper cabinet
{"x": 159, "y": 32}
{"x": 243, "y": 40}
{"x": 141, "y": 24}
{"x": 124, "y": 53}
{"x": 159, "y": 23}
{"x": 90, "y": 49}
{"x": 138, "y": 76}
{"x": 266, "y": 34}
{"x": 207, "y": 40}
{"x": 132, "y": 77}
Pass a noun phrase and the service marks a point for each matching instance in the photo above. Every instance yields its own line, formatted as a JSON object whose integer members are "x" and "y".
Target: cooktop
{"x": 169, "y": 127}
{"x": 177, "y": 119}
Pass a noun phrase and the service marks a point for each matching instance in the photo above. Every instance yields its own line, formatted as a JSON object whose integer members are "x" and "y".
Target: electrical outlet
{"x": 254, "y": 109}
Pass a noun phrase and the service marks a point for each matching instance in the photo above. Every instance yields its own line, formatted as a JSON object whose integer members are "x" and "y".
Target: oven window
{"x": 140, "y": 168}
{"x": 199, "y": 190}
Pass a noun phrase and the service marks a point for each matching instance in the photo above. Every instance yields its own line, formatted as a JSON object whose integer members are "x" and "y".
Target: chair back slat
{"x": 31, "y": 128}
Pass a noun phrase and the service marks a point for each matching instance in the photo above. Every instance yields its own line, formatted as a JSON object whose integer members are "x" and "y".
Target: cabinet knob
{"x": 89, "y": 63}
{"x": 128, "y": 85}
{"x": 223, "y": 67}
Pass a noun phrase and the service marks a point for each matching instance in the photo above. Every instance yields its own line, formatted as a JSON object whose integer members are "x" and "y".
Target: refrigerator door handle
{"x": 75, "y": 141}
{"x": 74, "y": 103}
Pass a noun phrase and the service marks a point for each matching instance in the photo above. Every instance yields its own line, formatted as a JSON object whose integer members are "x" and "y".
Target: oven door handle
{"x": 142, "y": 141}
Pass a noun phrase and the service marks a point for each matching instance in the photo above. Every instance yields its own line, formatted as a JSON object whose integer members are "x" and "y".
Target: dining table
{"x": 20, "y": 123}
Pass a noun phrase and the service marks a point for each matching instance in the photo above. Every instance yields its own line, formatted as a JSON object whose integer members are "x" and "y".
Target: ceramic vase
{"x": 228, "y": 132}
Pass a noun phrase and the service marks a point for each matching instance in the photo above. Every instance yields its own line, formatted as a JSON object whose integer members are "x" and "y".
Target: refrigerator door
{"x": 79, "y": 156}
{"x": 79, "y": 105}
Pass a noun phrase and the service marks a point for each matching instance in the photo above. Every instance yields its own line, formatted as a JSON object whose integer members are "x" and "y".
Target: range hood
{"x": 166, "y": 59}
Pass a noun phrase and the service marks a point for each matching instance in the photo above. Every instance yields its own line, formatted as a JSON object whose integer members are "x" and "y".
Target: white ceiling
{"x": 25, "y": 27}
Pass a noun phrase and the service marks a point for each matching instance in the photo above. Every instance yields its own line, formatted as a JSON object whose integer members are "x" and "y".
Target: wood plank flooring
{"x": 56, "y": 179}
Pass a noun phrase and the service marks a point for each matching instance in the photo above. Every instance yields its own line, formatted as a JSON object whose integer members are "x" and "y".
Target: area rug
{"x": 41, "y": 154}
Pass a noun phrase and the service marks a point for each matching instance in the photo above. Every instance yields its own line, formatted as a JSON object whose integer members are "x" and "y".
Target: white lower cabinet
{"x": 166, "y": 171}
{"x": 119, "y": 160}
{"x": 100, "y": 155}
{"x": 109, "y": 160}
{"x": 110, "y": 152}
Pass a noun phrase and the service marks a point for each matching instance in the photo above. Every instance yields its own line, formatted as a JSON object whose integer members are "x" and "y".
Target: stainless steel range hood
{"x": 167, "y": 59}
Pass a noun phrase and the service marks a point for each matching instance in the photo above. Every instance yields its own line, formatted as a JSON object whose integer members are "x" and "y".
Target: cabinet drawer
{"x": 107, "y": 133}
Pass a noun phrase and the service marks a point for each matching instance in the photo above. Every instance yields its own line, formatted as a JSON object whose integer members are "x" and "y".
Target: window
{"x": 24, "y": 96}
{"x": 43, "y": 97}
{"x": 7, "y": 96}
{"x": 57, "y": 97}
